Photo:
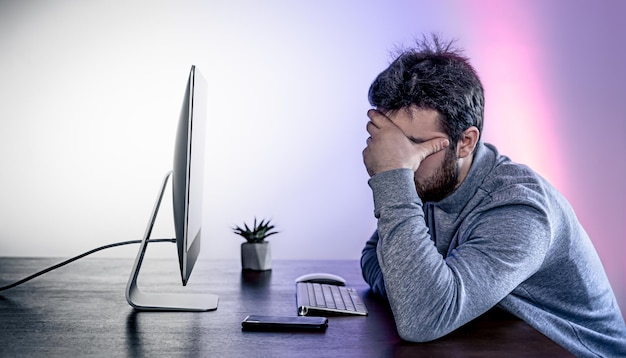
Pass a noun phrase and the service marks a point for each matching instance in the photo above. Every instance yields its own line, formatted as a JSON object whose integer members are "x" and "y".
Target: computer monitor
{"x": 188, "y": 173}
{"x": 187, "y": 182}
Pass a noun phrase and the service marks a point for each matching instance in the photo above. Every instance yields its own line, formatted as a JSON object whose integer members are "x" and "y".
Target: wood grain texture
{"x": 80, "y": 310}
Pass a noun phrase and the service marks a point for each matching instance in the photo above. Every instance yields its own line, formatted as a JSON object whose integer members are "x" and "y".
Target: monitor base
{"x": 172, "y": 302}
{"x": 157, "y": 301}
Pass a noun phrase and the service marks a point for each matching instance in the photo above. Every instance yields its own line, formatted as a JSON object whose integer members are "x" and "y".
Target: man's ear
{"x": 468, "y": 141}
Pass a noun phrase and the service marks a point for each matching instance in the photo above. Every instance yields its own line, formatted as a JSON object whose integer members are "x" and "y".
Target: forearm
{"x": 414, "y": 272}
{"x": 369, "y": 266}
{"x": 420, "y": 288}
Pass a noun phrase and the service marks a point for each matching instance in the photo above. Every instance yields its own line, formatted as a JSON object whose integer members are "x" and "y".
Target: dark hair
{"x": 433, "y": 75}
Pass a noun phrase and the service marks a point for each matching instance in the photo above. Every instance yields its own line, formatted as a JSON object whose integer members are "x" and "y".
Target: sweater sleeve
{"x": 430, "y": 295}
{"x": 370, "y": 268}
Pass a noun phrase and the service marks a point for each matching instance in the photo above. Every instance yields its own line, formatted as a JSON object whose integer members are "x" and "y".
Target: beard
{"x": 442, "y": 182}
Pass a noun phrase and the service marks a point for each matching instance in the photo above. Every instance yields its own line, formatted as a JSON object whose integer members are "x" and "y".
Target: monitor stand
{"x": 163, "y": 302}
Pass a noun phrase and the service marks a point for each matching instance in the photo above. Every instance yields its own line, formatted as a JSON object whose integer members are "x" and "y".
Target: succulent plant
{"x": 258, "y": 233}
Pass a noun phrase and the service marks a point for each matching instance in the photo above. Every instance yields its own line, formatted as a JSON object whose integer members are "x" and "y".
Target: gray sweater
{"x": 504, "y": 238}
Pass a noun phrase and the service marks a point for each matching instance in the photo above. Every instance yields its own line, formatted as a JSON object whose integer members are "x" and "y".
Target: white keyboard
{"x": 322, "y": 299}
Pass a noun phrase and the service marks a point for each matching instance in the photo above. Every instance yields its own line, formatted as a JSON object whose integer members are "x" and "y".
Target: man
{"x": 462, "y": 229}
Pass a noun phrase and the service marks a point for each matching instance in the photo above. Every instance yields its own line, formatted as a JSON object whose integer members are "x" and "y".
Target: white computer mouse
{"x": 321, "y": 277}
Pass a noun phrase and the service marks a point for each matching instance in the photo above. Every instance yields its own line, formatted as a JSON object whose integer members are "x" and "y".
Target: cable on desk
{"x": 79, "y": 257}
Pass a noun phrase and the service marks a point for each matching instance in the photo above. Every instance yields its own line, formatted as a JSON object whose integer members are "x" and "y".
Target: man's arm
{"x": 370, "y": 268}
{"x": 431, "y": 296}
{"x": 388, "y": 149}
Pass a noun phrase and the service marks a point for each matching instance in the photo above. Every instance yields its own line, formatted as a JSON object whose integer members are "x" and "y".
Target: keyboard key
{"x": 337, "y": 298}
{"x": 319, "y": 295}
{"x": 328, "y": 297}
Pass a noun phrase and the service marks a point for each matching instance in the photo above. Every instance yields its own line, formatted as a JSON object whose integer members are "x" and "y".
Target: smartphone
{"x": 284, "y": 324}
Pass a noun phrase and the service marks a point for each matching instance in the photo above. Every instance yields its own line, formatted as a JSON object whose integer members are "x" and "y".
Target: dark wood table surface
{"x": 80, "y": 310}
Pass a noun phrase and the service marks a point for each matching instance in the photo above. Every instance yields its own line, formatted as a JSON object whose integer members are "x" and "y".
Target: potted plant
{"x": 255, "y": 252}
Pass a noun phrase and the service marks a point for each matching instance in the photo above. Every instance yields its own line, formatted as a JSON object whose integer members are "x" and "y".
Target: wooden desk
{"x": 80, "y": 310}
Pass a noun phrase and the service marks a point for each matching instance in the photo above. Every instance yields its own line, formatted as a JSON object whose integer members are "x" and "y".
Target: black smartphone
{"x": 284, "y": 324}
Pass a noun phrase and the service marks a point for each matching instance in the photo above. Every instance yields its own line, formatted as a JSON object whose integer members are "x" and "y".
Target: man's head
{"x": 432, "y": 91}
{"x": 433, "y": 75}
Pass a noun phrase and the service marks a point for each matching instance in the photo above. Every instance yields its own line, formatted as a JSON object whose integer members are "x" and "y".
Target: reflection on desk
{"x": 81, "y": 310}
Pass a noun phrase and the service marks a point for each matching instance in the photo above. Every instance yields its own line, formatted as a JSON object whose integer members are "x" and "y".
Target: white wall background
{"x": 90, "y": 92}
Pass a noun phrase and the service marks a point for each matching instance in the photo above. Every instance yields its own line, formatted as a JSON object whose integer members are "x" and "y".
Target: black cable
{"x": 79, "y": 257}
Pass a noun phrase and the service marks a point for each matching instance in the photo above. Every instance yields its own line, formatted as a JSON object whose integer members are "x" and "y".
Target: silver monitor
{"x": 187, "y": 182}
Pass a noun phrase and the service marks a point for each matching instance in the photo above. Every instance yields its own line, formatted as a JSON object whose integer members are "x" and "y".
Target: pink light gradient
{"x": 540, "y": 91}
{"x": 507, "y": 54}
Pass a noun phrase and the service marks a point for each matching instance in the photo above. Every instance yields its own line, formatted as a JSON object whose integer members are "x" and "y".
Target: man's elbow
{"x": 418, "y": 333}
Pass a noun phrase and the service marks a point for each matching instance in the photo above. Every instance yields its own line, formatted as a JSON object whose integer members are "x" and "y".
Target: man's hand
{"x": 388, "y": 147}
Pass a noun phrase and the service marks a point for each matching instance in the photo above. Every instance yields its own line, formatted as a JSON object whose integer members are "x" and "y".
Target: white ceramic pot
{"x": 256, "y": 256}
